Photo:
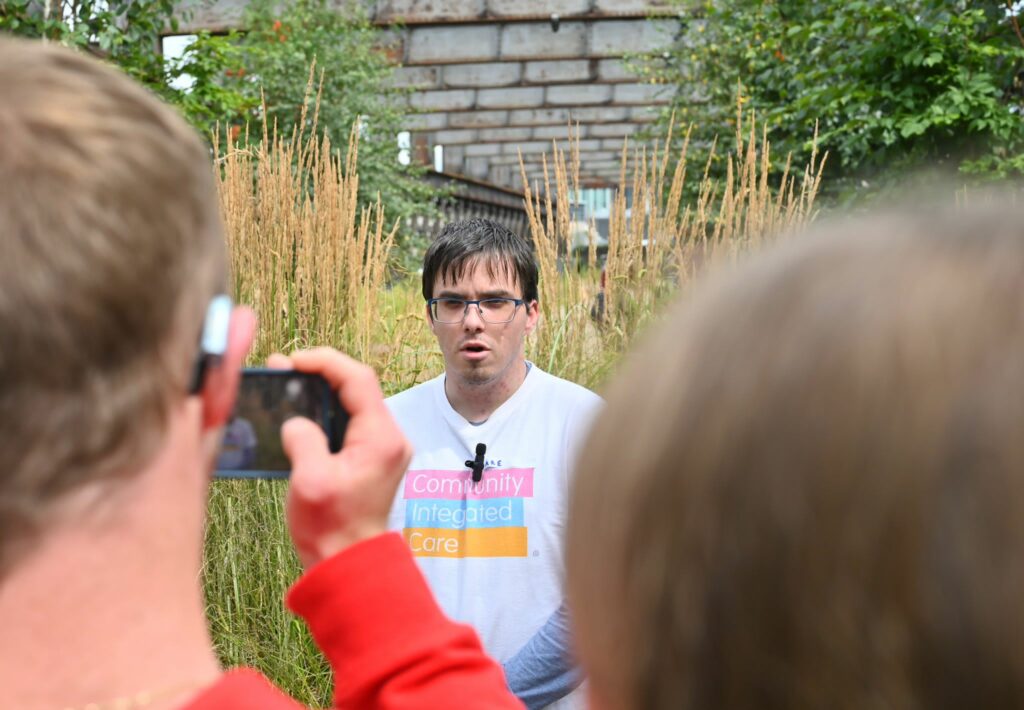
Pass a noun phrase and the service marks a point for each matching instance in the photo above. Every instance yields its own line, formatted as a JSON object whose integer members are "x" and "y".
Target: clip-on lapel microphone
{"x": 477, "y": 464}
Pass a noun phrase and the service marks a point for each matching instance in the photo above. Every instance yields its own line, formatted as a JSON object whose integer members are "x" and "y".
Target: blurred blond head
{"x": 110, "y": 247}
{"x": 807, "y": 489}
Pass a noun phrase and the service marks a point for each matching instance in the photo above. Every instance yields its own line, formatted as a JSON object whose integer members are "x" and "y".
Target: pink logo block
{"x": 458, "y": 485}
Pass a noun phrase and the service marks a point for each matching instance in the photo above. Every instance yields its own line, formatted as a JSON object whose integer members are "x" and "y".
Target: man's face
{"x": 475, "y": 351}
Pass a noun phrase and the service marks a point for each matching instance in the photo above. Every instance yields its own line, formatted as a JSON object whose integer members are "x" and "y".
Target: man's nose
{"x": 474, "y": 317}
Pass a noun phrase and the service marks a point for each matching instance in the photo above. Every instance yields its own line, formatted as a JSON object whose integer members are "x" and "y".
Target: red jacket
{"x": 388, "y": 642}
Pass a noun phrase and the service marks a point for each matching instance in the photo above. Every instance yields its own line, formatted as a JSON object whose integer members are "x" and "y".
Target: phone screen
{"x": 251, "y": 445}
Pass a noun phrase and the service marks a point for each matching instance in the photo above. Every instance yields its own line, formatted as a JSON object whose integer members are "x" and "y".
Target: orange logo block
{"x": 471, "y": 542}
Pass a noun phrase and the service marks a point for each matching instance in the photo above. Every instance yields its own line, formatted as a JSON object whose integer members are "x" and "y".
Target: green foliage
{"x": 892, "y": 86}
{"x": 127, "y": 34}
{"x": 225, "y": 80}
{"x": 123, "y": 31}
{"x": 212, "y": 97}
{"x": 283, "y": 41}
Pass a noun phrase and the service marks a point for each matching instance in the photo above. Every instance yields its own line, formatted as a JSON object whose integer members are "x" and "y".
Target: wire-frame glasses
{"x": 492, "y": 310}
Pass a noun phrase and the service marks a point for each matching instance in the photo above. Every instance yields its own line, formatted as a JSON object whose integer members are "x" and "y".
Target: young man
{"x": 483, "y": 505}
{"x": 111, "y": 407}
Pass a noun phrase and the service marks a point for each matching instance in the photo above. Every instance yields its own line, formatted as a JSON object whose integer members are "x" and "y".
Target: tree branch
{"x": 1013, "y": 21}
{"x": 46, "y": 18}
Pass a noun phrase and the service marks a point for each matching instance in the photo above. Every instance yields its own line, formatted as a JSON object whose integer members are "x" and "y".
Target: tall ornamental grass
{"x": 314, "y": 265}
{"x": 655, "y": 247}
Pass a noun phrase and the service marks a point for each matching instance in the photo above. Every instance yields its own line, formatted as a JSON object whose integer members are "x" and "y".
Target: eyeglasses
{"x": 492, "y": 310}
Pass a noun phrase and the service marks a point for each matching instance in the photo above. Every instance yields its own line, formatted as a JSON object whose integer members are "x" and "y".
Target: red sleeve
{"x": 242, "y": 689}
{"x": 390, "y": 646}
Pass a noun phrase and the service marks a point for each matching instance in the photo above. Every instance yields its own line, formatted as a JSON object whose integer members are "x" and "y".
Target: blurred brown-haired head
{"x": 807, "y": 489}
{"x": 110, "y": 247}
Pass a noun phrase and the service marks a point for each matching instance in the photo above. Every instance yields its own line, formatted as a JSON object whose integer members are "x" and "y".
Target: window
{"x": 173, "y": 48}
{"x": 404, "y": 146}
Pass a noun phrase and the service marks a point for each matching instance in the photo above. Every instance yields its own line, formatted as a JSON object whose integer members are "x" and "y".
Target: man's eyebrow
{"x": 500, "y": 293}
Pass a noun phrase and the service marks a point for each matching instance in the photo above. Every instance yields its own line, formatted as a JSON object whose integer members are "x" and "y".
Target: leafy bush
{"x": 230, "y": 78}
{"x": 895, "y": 86}
{"x": 127, "y": 33}
{"x": 282, "y": 42}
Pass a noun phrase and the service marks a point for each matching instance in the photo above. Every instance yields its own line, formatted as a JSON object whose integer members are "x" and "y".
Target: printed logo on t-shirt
{"x": 448, "y": 515}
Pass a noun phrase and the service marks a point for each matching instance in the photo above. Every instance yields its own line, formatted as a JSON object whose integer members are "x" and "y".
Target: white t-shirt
{"x": 492, "y": 551}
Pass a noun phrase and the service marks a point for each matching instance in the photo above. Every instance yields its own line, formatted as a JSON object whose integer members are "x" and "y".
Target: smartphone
{"x": 251, "y": 447}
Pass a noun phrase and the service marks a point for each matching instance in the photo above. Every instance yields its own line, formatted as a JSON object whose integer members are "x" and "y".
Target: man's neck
{"x": 476, "y": 402}
{"x": 110, "y": 606}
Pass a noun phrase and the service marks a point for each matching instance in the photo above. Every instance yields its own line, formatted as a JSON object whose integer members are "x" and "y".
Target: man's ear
{"x": 532, "y": 316}
{"x": 220, "y": 386}
{"x": 430, "y": 320}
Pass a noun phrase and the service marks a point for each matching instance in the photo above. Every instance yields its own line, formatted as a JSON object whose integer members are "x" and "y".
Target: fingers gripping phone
{"x": 251, "y": 447}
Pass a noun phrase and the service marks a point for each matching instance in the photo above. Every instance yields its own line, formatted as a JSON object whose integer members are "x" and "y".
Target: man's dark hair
{"x": 480, "y": 241}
